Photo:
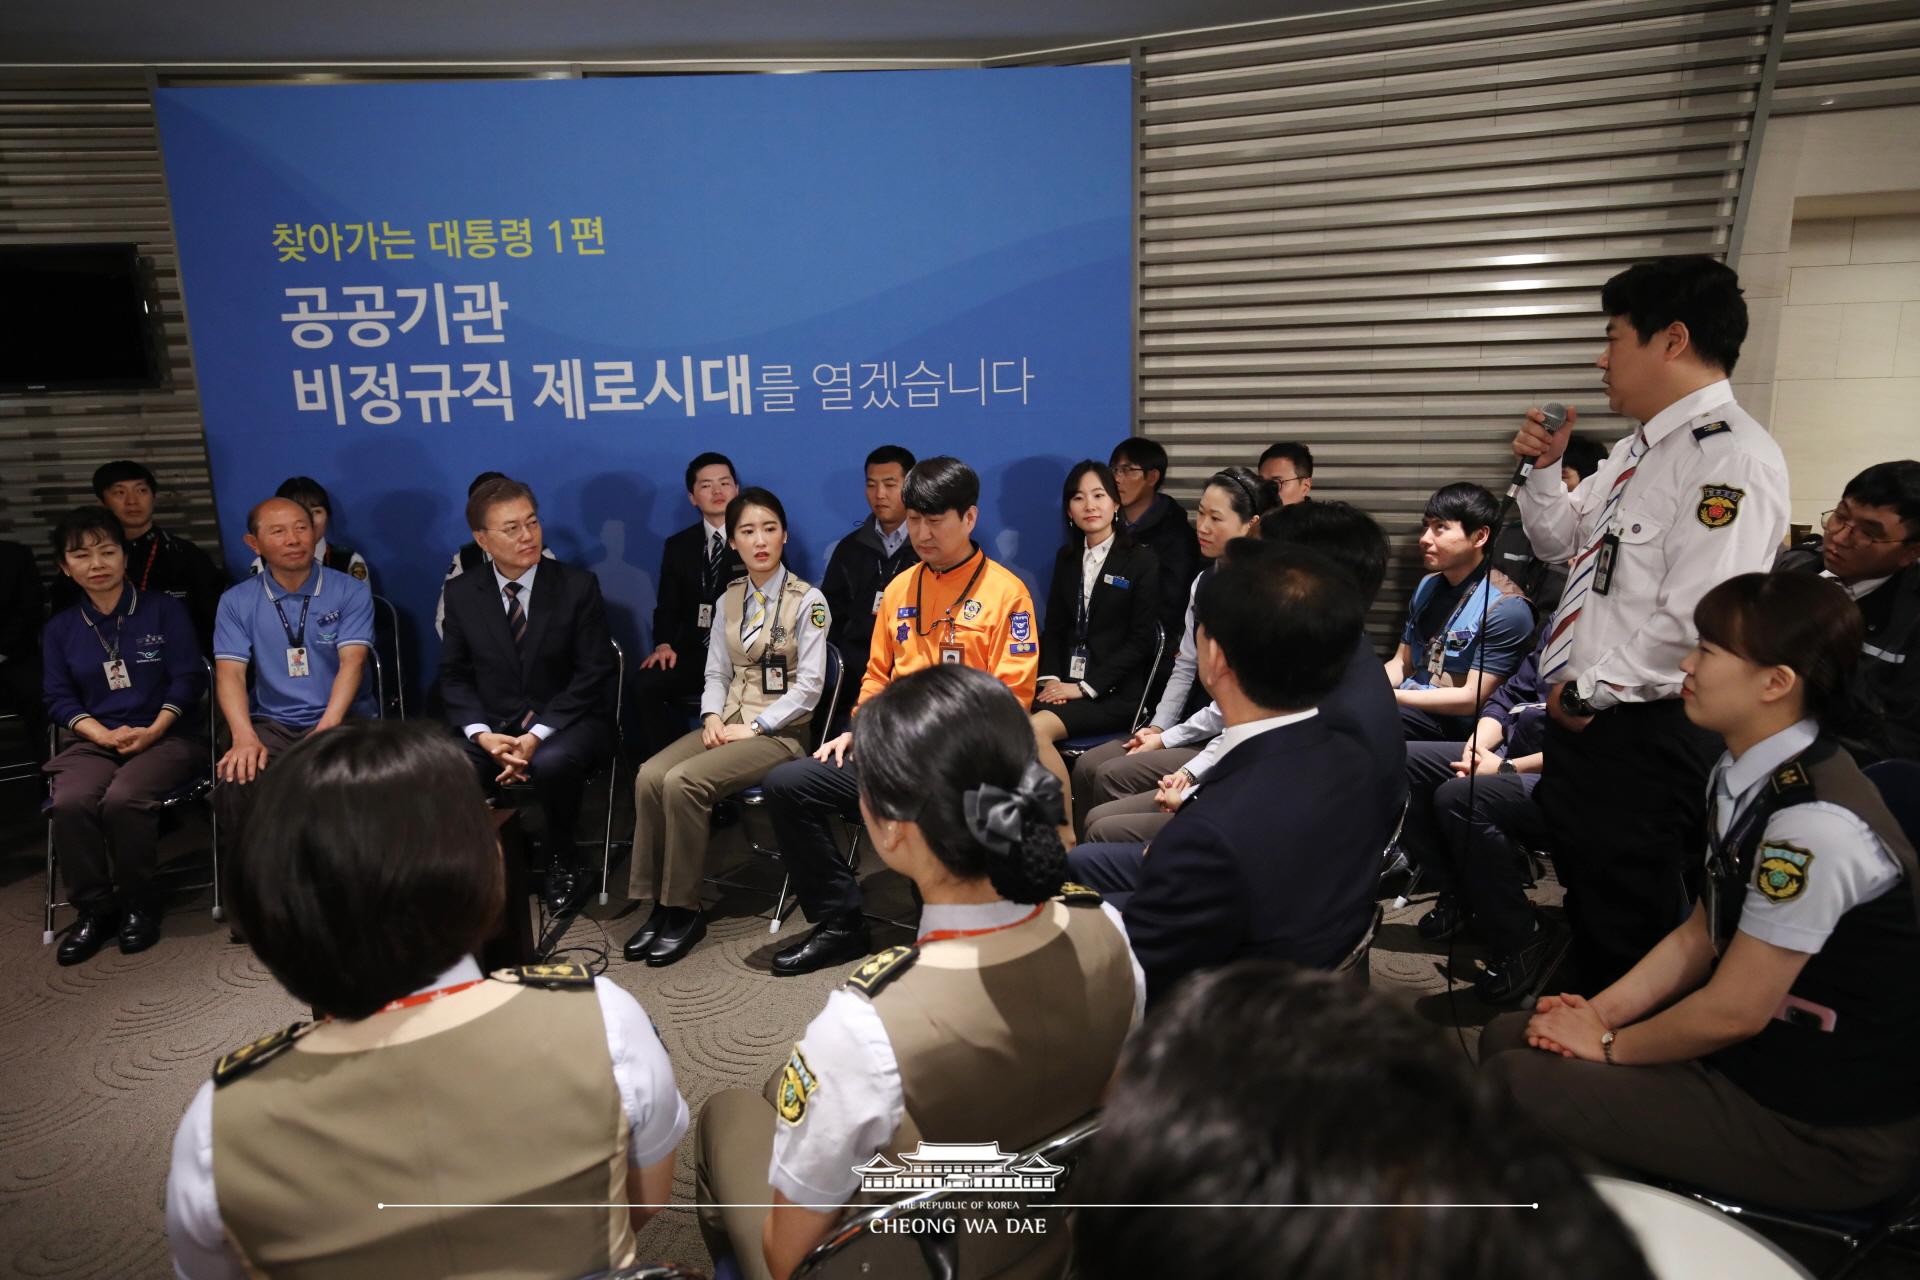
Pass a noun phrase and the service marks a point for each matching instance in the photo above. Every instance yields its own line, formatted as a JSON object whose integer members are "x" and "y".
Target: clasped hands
{"x": 1568, "y": 1025}
{"x": 512, "y": 754}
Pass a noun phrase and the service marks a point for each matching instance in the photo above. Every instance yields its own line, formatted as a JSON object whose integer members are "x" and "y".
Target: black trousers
{"x": 1472, "y": 850}
{"x": 1424, "y": 726}
{"x": 1625, "y": 803}
{"x": 1111, "y": 867}
{"x": 665, "y": 699}
{"x": 559, "y": 772}
{"x": 801, "y": 796}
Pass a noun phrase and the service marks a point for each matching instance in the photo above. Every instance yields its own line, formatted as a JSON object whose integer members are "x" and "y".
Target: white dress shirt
{"x": 1091, "y": 560}
{"x": 1627, "y": 644}
{"x": 1186, "y": 668}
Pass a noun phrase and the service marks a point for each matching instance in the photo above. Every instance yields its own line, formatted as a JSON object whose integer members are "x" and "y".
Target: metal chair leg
{"x": 780, "y": 905}
{"x": 46, "y": 931}
{"x": 213, "y": 851}
{"x": 606, "y": 836}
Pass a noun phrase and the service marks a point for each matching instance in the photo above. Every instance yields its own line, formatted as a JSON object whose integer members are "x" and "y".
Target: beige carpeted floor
{"x": 98, "y": 1061}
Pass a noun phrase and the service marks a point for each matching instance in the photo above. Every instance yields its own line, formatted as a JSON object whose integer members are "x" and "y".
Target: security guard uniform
{"x": 1002, "y": 1025}
{"x": 1886, "y": 684}
{"x": 1817, "y": 1111}
{"x": 283, "y": 1160}
{"x": 769, "y": 674}
{"x": 1696, "y": 496}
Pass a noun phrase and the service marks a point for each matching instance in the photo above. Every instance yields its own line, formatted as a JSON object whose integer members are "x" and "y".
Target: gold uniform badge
{"x": 797, "y": 1083}
{"x": 1780, "y": 871}
{"x": 817, "y": 614}
{"x": 1719, "y": 504}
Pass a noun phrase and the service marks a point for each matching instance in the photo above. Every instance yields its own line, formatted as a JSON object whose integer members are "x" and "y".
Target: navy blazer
{"x": 564, "y": 673}
{"x": 686, "y": 584}
{"x": 1276, "y": 856}
{"x": 1120, "y": 620}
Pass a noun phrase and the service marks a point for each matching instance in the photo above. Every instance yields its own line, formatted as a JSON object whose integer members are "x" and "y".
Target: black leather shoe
{"x": 90, "y": 933}
{"x": 828, "y": 943}
{"x": 680, "y": 934}
{"x": 139, "y": 930}
{"x": 1520, "y": 976}
{"x": 565, "y": 890}
{"x": 636, "y": 948}
{"x": 1447, "y": 918}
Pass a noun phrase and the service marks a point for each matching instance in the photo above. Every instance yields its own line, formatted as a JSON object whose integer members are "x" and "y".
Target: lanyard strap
{"x": 293, "y": 641}
{"x": 1437, "y": 645}
{"x": 920, "y": 579}
{"x": 424, "y": 997}
{"x": 153, "y": 550}
{"x": 946, "y": 935}
{"x": 119, "y": 620}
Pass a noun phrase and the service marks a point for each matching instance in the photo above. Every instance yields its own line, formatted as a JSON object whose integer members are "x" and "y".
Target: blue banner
{"x": 584, "y": 283}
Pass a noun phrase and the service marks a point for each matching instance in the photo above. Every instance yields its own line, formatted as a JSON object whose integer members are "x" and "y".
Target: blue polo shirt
{"x": 154, "y": 636}
{"x": 248, "y": 628}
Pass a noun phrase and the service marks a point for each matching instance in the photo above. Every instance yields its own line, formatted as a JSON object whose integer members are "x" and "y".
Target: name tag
{"x": 876, "y": 600}
{"x": 297, "y": 661}
{"x": 773, "y": 675}
{"x": 706, "y": 617}
{"x": 951, "y": 655}
{"x": 1113, "y": 581}
{"x": 1603, "y": 563}
{"x": 1077, "y": 665}
{"x": 117, "y": 677}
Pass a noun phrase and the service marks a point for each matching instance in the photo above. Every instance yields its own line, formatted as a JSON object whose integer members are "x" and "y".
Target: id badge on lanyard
{"x": 877, "y": 596}
{"x": 297, "y": 661}
{"x": 1603, "y": 562}
{"x": 117, "y": 677}
{"x": 952, "y": 655}
{"x": 773, "y": 673}
{"x": 1077, "y": 664}
{"x": 706, "y": 618}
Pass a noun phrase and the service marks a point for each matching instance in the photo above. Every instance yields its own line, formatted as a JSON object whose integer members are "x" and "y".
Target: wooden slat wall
{"x": 80, "y": 162}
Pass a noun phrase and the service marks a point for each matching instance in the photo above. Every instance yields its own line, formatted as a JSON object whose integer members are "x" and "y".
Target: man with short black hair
{"x": 1290, "y": 466}
{"x": 696, "y": 564}
{"x": 157, "y": 559}
{"x": 1157, "y": 520}
{"x": 955, "y": 606}
{"x": 1275, "y": 628}
{"x": 870, "y": 557}
{"x": 469, "y": 557}
{"x": 1468, "y": 626}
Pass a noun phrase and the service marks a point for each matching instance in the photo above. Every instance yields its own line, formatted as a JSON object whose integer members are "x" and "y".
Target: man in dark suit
{"x": 527, "y": 671}
{"x": 23, "y": 611}
{"x": 696, "y": 564}
{"x": 1277, "y": 852}
{"x": 866, "y": 560}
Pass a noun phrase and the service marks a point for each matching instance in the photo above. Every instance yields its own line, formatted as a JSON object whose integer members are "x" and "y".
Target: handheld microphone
{"x": 1555, "y": 415}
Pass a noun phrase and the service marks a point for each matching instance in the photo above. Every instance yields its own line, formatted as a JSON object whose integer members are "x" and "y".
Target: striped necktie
{"x": 517, "y": 625}
{"x": 756, "y": 617}
{"x": 1559, "y": 649}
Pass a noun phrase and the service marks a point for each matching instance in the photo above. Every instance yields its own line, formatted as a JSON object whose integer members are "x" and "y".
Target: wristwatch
{"x": 1506, "y": 766}
{"x": 1573, "y": 704}
{"x": 1606, "y": 1046}
{"x": 754, "y": 726}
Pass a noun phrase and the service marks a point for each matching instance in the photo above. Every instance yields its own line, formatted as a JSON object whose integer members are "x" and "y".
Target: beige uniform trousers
{"x": 1108, "y": 773}
{"x": 673, "y": 798}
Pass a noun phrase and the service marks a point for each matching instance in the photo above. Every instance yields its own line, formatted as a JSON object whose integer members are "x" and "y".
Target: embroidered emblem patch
{"x": 970, "y": 611}
{"x": 901, "y": 634}
{"x": 905, "y": 611}
{"x": 1028, "y": 647}
{"x": 817, "y": 615}
{"x": 1710, "y": 430}
{"x": 1780, "y": 871}
{"x": 1718, "y": 505}
{"x": 797, "y": 1083}
{"x": 1020, "y": 625}
{"x": 358, "y": 569}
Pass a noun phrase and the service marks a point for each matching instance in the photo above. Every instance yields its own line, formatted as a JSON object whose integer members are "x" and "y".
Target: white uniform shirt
{"x": 1840, "y": 862}
{"x": 1092, "y": 559}
{"x": 656, "y": 1117}
{"x": 1186, "y": 667}
{"x": 858, "y": 1099}
{"x": 804, "y": 684}
{"x": 1627, "y": 644}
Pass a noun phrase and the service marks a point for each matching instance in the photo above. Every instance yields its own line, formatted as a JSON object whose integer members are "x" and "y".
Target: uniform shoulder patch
{"x": 358, "y": 569}
{"x": 817, "y": 614}
{"x": 1078, "y": 895}
{"x": 1789, "y": 778}
{"x": 1711, "y": 429}
{"x": 549, "y": 977}
{"x": 797, "y": 1084}
{"x": 1719, "y": 504}
{"x": 877, "y": 970}
{"x": 231, "y": 1066}
{"x": 1780, "y": 870}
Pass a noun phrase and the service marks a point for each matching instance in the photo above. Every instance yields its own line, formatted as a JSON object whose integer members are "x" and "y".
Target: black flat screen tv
{"x": 77, "y": 317}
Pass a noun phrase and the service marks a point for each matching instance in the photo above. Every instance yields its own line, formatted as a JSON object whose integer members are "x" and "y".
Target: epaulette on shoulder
{"x": 548, "y": 977}
{"x": 877, "y": 970}
{"x": 1791, "y": 783}
{"x": 1078, "y": 895}
{"x": 1711, "y": 429}
{"x": 231, "y": 1066}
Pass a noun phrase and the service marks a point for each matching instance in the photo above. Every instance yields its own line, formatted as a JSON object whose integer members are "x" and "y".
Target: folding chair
{"x": 613, "y": 762}
{"x": 756, "y": 797}
{"x": 195, "y": 788}
{"x": 390, "y": 676}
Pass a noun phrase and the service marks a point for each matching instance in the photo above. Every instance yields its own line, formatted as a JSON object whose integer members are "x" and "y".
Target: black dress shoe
{"x": 1447, "y": 918}
{"x": 565, "y": 890}
{"x": 680, "y": 934}
{"x": 636, "y": 948}
{"x": 139, "y": 930}
{"x": 1517, "y": 978}
{"x": 828, "y": 943}
{"x": 90, "y": 933}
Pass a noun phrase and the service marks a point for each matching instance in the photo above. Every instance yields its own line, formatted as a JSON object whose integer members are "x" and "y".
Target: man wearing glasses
{"x": 1156, "y": 520}
{"x": 1870, "y": 544}
{"x": 1289, "y": 465}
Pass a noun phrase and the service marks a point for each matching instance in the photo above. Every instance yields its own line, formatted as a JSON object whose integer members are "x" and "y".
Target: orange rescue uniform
{"x": 991, "y": 622}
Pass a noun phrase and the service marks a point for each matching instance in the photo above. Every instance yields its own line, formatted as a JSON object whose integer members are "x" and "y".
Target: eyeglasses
{"x": 514, "y": 530}
{"x": 1287, "y": 480}
{"x": 1833, "y": 522}
{"x": 1128, "y": 469}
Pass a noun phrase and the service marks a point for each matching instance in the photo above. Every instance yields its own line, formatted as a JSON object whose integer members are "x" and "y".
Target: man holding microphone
{"x": 1694, "y": 496}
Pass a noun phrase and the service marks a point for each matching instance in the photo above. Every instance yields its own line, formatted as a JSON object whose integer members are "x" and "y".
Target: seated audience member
{"x": 1360, "y": 706}
{"x": 123, "y": 676}
{"x": 1259, "y": 1084}
{"x": 1097, "y": 647}
{"x": 527, "y": 673}
{"x": 469, "y": 557}
{"x": 1471, "y": 801}
{"x": 1005, "y": 1019}
{"x": 1290, "y": 467}
{"x": 312, "y": 495}
{"x": 1157, "y": 521}
{"x": 1765, "y": 1048}
{"x": 1446, "y": 667}
{"x": 870, "y": 557}
{"x": 1278, "y": 852}
{"x": 766, "y": 668}
{"x": 696, "y": 564}
{"x": 23, "y": 610}
{"x": 956, "y": 607}
{"x": 1543, "y": 581}
{"x": 157, "y": 559}
{"x": 369, "y": 881}
{"x": 1870, "y": 544}
{"x": 1231, "y": 506}
{"x": 304, "y": 631}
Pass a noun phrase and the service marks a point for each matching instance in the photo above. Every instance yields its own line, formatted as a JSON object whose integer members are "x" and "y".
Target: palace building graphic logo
{"x": 958, "y": 1166}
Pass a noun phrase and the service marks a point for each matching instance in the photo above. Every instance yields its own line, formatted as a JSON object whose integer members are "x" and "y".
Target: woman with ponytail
{"x": 1003, "y": 1023}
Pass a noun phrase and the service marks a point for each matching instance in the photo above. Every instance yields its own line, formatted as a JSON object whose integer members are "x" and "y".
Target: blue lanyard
{"x": 293, "y": 641}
